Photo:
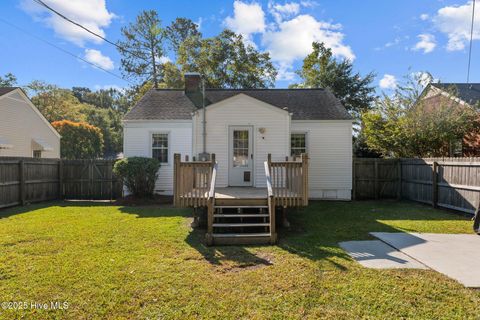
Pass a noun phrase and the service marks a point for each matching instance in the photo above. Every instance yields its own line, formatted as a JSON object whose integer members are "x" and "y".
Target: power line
{"x": 61, "y": 49}
{"x": 471, "y": 42}
{"x": 40, "y": 2}
{"x": 61, "y": 15}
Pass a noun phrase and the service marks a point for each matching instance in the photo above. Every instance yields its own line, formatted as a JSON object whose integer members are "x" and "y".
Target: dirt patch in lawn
{"x": 245, "y": 263}
{"x": 156, "y": 200}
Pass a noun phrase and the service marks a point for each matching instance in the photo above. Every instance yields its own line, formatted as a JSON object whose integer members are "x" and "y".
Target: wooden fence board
{"x": 27, "y": 180}
{"x": 455, "y": 186}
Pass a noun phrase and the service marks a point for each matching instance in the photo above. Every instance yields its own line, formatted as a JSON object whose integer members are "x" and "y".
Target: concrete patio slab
{"x": 378, "y": 255}
{"x": 455, "y": 255}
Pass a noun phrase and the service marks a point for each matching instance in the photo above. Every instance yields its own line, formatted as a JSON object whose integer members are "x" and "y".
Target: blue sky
{"x": 391, "y": 38}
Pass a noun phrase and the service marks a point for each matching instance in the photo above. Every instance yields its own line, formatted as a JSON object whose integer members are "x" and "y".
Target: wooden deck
{"x": 241, "y": 193}
{"x": 241, "y": 215}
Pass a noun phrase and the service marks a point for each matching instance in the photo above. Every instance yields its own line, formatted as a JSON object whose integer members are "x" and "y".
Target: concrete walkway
{"x": 455, "y": 255}
{"x": 379, "y": 255}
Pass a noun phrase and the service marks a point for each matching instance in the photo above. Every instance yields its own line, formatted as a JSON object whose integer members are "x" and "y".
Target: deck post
{"x": 176, "y": 178}
{"x": 305, "y": 178}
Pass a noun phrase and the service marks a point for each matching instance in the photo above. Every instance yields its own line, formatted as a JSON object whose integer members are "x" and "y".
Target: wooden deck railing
{"x": 289, "y": 180}
{"x": 192, "y": 182}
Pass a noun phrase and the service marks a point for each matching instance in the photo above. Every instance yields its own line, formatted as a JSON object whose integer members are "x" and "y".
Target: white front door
{"x": 240, "y": 150}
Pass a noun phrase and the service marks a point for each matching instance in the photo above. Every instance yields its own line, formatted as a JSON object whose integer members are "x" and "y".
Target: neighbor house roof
{"x": 304, "y": 104}
{"x": 468, "y": 92}
{"x": 5, "y": 90}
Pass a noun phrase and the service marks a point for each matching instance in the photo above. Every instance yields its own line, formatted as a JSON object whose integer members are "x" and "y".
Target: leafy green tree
{"x": 80, "y": 140}
{"x": 109, "y": 122}
{"x": 8, "y": 80}
{"x": 142, "y": 48}
{"x": 321, "y": 70}
{"x": 227, "y": 62}
{"x": 179, "y": 31}
{"x": 406, "y": 125}
{"x": 55, "y": 103}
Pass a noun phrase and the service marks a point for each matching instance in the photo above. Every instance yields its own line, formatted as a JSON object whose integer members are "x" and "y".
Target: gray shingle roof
{"x": 305, "y": 104}
{"x": 5, "y": 90}
{"x": 468, "y": 92}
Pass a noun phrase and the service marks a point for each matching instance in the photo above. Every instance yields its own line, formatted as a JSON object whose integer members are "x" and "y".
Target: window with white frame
{"x": 160, "y": 147}
{"x": 37, "y": 153}
{"x": 298, "y": 143}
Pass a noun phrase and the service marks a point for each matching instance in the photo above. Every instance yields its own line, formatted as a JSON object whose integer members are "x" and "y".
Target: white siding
{"x": 137, "y": 142}
{"x": 329, "y": 145}
{"x": 243, "y": 110}
{"x": 20, "y": 123}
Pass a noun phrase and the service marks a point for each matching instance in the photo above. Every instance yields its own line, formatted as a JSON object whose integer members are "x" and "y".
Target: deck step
{"x": 234, "y": 225}
{"x": 241, "y": 207}
{"x": 240, "y": 235}
{"x": 243, "y": 215}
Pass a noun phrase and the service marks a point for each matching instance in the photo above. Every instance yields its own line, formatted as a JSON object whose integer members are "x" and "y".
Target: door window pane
{"x": 240, "y": 148}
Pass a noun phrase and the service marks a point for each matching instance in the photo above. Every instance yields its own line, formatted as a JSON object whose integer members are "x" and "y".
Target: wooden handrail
{"x": 213, "y": 180}
{"x": 269, "y": 179}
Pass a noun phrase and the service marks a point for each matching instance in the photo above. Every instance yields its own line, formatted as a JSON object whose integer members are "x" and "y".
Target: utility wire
{"x": 61, "y": 15}
{"x": 61, "y": 49}
{"x": 471, "y": 42}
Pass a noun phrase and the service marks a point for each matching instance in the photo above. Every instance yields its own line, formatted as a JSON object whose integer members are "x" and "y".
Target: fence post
{"x": 21, "y": 174}
{"x": 399, "y": 173}
{"x": 435, "y": 184}
{"x": 60, "y": 179}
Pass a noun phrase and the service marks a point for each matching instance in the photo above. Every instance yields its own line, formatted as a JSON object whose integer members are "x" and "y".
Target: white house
{"x": 24, "y": 131}
{"x": 241, "y": 128}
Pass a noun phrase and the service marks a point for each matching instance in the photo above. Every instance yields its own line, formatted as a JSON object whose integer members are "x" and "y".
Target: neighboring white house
{"x": 242, "y": 128}
{"x": 24, "y": 131}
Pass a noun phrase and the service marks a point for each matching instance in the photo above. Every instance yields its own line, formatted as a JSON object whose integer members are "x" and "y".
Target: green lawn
{"x": 130, "y": 262}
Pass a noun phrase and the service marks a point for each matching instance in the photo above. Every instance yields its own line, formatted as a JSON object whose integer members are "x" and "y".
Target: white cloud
{"x": 424, "y": 17}
{"x": 108, "y": 87}
{"x": 426, "y": 44}
{"x": 247, "y": 19}
{"x": 280, "y": 12}
{"x": 292, "y": 39}
{"x": 164, "y": 59}
{"x": 98, "y": 59}
{"x": 388, "y": 82}
{"x": 93, "y": 14}
{"x": 423, "y": 78}
{"x": 455, "y": 22}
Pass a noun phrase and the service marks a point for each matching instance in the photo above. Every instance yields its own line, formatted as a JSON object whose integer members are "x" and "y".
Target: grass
{"x": 130, "y": 262}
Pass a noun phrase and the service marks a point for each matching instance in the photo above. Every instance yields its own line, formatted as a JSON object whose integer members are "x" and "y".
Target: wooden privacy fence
{"x": 452, "y": 183}
{"x": 28, "y": 180}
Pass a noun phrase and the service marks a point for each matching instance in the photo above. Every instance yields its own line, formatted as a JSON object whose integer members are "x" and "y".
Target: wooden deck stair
{"x": 241, "y": 215}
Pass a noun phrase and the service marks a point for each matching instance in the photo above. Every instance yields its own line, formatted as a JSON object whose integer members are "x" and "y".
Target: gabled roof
{"x": 468, "y": 92}
{"x": 24, "y": 97}
{"x": 5, "y": 90}
{"x": 304, "y": 104}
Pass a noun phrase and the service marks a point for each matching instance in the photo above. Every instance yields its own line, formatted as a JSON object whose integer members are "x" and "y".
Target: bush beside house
{"x": 138, "y": 175}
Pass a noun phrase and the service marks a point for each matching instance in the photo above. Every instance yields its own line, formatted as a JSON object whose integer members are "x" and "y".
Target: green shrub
{"x": 138, "y": 174}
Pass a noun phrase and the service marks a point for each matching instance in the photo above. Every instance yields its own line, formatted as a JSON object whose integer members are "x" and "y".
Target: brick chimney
{"x": 193, "y": 82}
